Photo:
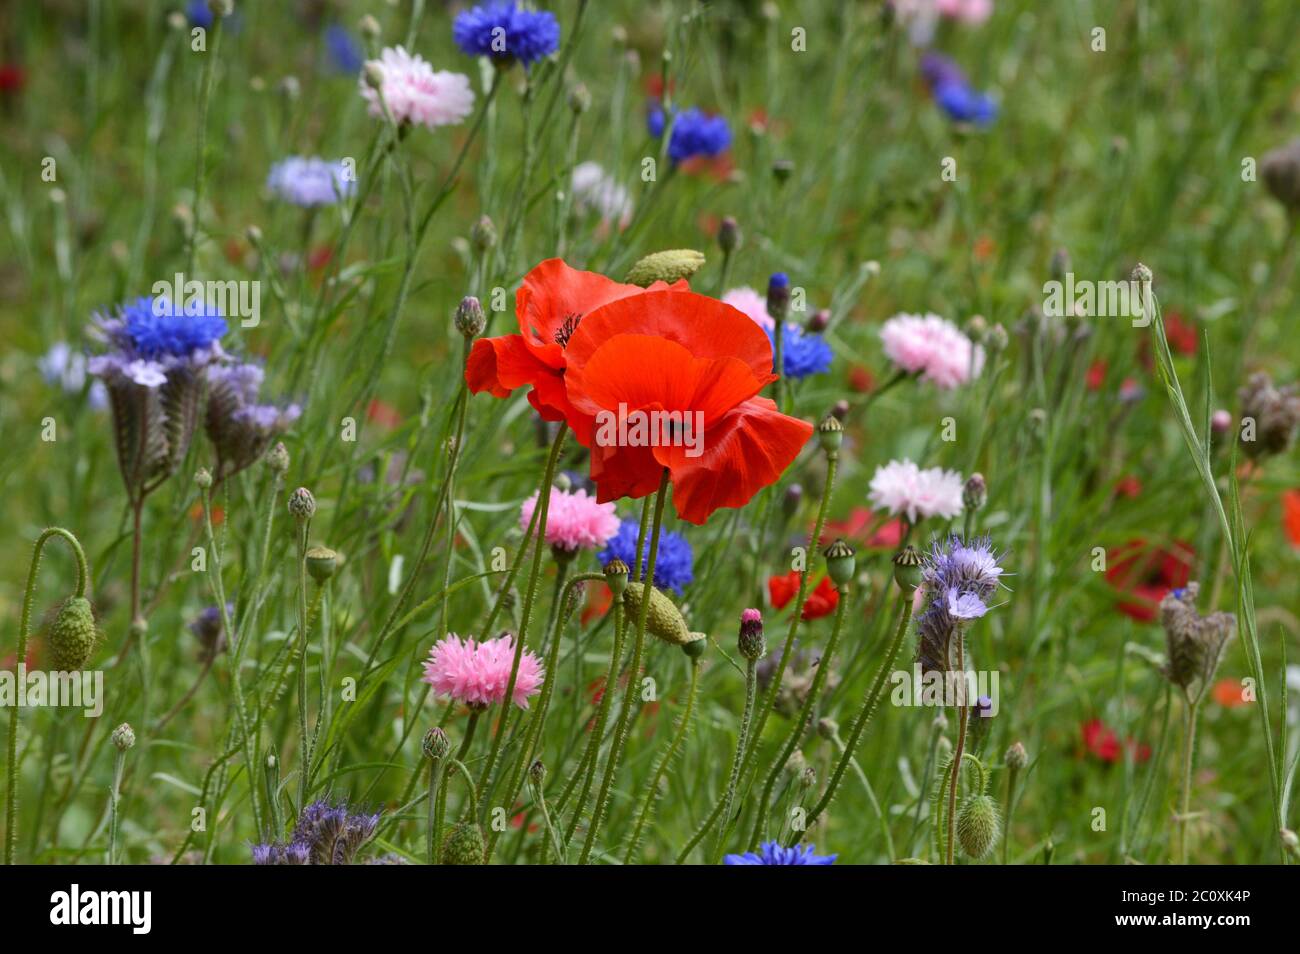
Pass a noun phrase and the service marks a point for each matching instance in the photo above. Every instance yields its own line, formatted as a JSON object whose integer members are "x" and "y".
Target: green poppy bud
{"x": 669, "y": 266}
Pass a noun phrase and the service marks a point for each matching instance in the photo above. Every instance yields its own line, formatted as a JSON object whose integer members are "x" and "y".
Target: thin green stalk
{"x": 114, "y": 796}
{"x": 1191, "y": 710}
{"x": 962, "y": 710}
{"x": 800, "y": 723}
{"x": 863, "y": 718}
{"x": 652, "y": 790}
{"x": 544, "y": 506}
{"x": 751, "y": 681}
{"x": 201, "y": 139}
{"x": 435, "y": 774}
{"x": 24, "y": 628}
{"x": 304, "y": 751}
{"x": 624, "y": 721}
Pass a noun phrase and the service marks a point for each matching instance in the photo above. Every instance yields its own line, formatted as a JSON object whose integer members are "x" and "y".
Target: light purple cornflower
{"x": 310, "y": 182}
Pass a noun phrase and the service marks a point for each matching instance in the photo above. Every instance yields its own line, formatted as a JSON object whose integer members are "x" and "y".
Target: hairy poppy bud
{"x": 978, "y": 825}
{"x": 464, "y": 845}
{"x": 663, "y": 618}
{"x": 668, "y": 266}
{"x": 72, "y": 635}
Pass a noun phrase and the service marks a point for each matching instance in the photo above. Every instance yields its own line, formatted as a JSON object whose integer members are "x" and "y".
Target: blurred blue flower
{"x": 954, "y": 94}
{"x": 774, "y": 853}
{"x": 157, "y": 327}
{"x": 802, "y": 353}
{"x": 696, "y": 133}
{"x": 505, "y": 32}
{"x": 673, "y": 563}
{"x": 199, "y": 14}
{"x": 309, "y": 182}
{"x": 344, "y": 50}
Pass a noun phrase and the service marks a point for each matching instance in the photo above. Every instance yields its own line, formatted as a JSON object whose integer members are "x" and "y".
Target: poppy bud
{"x": 663, "y": 618}
{"x": 616, "y": 574}
{"x": 751, "y": 643}
{"x": 537, "y": 773}
{"x": 321, "y": 563}
{"x": 668, "y": 266}
{"x": 840, "y": 562}
{"x": 729, "y": 236}
{"x": 907, "y": 569}
{"x": 72, "y": 635}
{"x": 464, "y": 845}
{"x": 978, "y": 825}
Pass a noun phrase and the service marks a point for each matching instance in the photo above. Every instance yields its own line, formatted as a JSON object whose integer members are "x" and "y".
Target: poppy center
{"x": 566, "y": 330}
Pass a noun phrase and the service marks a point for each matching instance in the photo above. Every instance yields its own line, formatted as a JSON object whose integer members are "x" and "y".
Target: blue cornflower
{"x": 345, "y": 52}
{"x": 655, "y": 119}
{"x": 505, "y": 32}
{"x": 774, "y": 853}
{"x": 158, "y": 328}
{"x": 966, "y": 105}
{"x": 696, "y": 133}
{"x": 802, "y": 353}
{"x": 310, "y": 182}
{"x": 199, "y": 14}
{"x": 673, "y": 563}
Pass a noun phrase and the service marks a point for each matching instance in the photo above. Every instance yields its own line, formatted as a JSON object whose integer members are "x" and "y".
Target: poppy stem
{"x": 751, "y": 680}
{"x": 629, "y": 692}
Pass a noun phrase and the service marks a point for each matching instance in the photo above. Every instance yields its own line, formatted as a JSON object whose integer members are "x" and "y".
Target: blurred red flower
{"x": 1101, "y": 741}
{"x": 861, "y": 380}
{"x": 820, "y": 602}
{"x": 864, "y": 526}
{"x": 1228, "y": 692}
{"x": 1142, "y": 574}
{"x": 1291, "y": 516}
{"x": 1128, "y": 486}
{"x": 1096, "y": 375}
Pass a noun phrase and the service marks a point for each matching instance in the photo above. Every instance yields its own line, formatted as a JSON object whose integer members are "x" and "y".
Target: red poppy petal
{"x": 553, "y": 293}
{"x": 499, "y": 365}
{"x": 620, "y": 472}
{"x": 744, "y": 452}
{"x": 706, "y": 327}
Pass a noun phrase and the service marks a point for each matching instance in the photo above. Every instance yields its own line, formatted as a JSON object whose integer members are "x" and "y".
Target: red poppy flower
{"x": 551, "y": 302}
{"x": 1143, "y": 574}
{"x": 383, "y": 413}
{"x": 861, "y": 380}
{"x": 12, "y": 78}
{"x": 677, "y": 353}
{"x": 1101, "y": 741}
{"x": 1291, "y": 516}
{"x": 866, "y": 527}
{"x": 1096, "y": 375}
{"x": 1128, "y": 486}
{"x": 599, "y": 600}
{"x": 820, "y": 602}
{"x": 1229, "y": 694}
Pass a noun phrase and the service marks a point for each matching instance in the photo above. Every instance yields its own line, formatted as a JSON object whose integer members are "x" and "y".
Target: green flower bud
{"x": 302, "y": 504}
{"x": 537, "y": 773}
{"x": 978, "y": 825}
{"x": 436, "y": 745}
{"x": 203, "y": 478}
{"x": 464, "y": 845}
{"x": 123, "y": 737}
{"x": 729, "y": 235}
{"x": 483, "y": 234}
{"x": 277, "y": 458}
{"x": 72, "y": 635}
{"x": 470, "y": 320}
{"x": 663, "y": 619}
{"x": 1016, "y": 758}
{"x": 668, "y": 266}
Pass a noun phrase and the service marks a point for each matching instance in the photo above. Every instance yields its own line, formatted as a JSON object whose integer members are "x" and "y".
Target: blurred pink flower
{"x": 476, "y": 673}
{"x": 902, "y": 487}
{"x": 414, "y": 92}
{"x": 933, "y": 347}
{"x": 968, "y": 11}
{"x": 574, "y": 520}
{"x": 745, "y": 299}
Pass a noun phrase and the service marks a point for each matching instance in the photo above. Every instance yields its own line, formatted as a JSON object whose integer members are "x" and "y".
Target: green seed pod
{"x": 695, "y": 648}
{"x": 616, "y": 574}
{"x": 907, "y": 569}
{"x": 321, "y": 563}
{"x": 664, "y": 619}
{"x": 464, "y": 845}
{"x": 669, "y": 266}
{"x": 830, "y": 433}
{"x": 978, "y": 825}
{"x": 72, "y": 635}
{"x": 840, "y": 562}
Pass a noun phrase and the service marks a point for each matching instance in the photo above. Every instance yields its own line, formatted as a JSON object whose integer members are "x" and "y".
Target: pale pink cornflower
{"x": 967, "y": 11}
{"x": 747, "y": 301}
{"x": 933, "y": 347}
{"x": 902, "y": 487}
{"x": 414, "y": 92}
{"x": 476, "y": 674}
{"x": 574, "y": 520}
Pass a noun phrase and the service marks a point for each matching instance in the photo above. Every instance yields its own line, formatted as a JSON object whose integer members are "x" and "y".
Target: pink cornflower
{"x": 476, "y": 673}
{"x": 933, "y": 347}
{"x": 902, "y": 487}
{"x": 747, "y": 301}
{"x": 414, "y": 92}
{"x": 574, "y": 520}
